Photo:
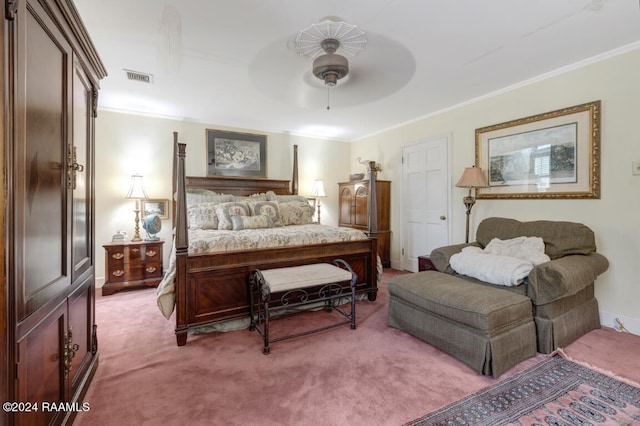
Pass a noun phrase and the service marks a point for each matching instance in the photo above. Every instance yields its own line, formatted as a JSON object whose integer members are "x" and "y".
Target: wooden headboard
{"x": 239, "y": 186}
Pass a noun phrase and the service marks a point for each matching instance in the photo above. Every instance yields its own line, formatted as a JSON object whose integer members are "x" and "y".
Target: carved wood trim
{"x": 11, "y": 9}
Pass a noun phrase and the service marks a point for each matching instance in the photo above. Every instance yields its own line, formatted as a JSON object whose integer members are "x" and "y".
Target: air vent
{"x": 139, "y": 76}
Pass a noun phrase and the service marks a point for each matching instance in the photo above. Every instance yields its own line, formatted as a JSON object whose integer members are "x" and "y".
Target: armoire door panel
{"x": 41, "y": 366}
{"x": 346, "y": 201}
{"x": 362, "y": 206}
{"x": 79, "y": 172}
{"x": 41, "y": 197}
{"x": 80, "y": 327}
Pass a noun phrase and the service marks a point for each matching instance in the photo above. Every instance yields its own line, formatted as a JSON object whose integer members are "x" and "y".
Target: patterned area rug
{"x": 555, "y": 392}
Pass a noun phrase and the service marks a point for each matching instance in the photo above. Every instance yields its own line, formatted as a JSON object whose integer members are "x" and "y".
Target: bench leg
{"x": 252, "y": 323}
{"x": 259, "y": 308}
{"x": 353, "y": 283}
{"x": 266, "y": 349}
{"x": 253, "y": 287}
{"x": 353, "y": 303}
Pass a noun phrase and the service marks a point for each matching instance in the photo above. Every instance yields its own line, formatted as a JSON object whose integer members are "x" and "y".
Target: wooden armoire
{"x": 51, "y": 73}
{"x": 354, "y": 212}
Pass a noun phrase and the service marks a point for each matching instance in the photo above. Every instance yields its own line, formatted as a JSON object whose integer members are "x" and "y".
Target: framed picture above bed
{"x": 236, "y": 154}
{"x": 550, "y": 155}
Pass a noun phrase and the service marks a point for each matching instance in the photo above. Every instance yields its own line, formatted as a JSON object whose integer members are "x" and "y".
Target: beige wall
{"x": 128, "y": 144}
{"x": 614, "y": 218}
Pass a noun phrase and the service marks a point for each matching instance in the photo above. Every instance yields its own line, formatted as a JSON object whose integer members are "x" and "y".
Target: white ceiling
{"x": 231, "y": 63}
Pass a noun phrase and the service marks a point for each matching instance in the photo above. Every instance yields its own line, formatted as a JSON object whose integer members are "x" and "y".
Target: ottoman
{"x": 490, "y": 329}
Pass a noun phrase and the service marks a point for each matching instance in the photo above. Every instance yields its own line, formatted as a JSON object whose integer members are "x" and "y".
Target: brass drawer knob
{"x": 117, "y": 256}
{"x": 151, "y": 253}
{"x": 118, "y": 273}
{"x": 135, "y": 250}
{"x": 150, "y": 269}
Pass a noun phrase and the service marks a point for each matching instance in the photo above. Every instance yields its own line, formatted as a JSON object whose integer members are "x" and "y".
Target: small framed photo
{"x": 236, "y": 154}
{"x": 160, "y": 207}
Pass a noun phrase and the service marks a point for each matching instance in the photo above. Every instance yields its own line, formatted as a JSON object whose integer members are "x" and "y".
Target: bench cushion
{"x": 283, "y": 279}
{"x": 488, "y": 310}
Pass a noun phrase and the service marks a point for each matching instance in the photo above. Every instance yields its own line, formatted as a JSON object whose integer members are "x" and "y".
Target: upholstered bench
{"x": 487, "y": 328}
{"x": 287, "y": 289}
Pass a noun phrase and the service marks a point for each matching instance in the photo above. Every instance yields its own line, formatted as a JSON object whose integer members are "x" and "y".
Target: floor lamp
{"x": 472, "y": 178}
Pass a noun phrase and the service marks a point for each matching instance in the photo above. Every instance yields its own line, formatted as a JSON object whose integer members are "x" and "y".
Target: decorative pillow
{"x": 288, "y": 198}
{"x": 197, "y": 196}
{"x": 226, "y": 211}
{"x": 269, "y": 208}
{"x": 526, "y": 248}
{"x": 492, "y": 268}
{"x": 271, "y": 196}
{"x": 251, "y": 222}
{"x": 296, "y": 213}
{"x": 202, "y": 216}
{"x": 253, "y": 197}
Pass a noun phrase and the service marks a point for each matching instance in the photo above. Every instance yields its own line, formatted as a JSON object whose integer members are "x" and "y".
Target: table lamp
{"x": 136, "y": 192}
{"x": 317, "y": 192}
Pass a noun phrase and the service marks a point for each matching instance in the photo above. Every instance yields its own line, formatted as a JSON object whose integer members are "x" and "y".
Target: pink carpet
{"x": 375, "y": 375}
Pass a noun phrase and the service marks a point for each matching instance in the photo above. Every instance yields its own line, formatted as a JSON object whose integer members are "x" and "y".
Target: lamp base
{"x": 468, "y": 201}
{"x": 136, "y": 235}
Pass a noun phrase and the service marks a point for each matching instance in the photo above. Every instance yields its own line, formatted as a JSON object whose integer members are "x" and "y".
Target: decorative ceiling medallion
{"x": 351, "y": 39}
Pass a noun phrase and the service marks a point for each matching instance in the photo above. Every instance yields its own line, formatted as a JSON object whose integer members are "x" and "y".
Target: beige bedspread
{"x": 208, "y": 241}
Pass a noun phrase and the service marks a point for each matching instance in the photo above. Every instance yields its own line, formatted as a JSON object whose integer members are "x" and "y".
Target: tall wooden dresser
{"x": 354, "y": 212}
{"x": 50, "y": 72}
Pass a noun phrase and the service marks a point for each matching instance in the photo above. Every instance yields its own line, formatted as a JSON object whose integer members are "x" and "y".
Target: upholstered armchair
{"x": 562, "y": 289}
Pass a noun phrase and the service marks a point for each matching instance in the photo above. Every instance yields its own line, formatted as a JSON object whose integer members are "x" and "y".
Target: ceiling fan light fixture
{"x": 330, "y": 68}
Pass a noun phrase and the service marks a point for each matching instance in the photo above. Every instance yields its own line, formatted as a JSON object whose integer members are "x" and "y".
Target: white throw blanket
{"x": 526, "y": 248}
{"x": 491, "y": 268}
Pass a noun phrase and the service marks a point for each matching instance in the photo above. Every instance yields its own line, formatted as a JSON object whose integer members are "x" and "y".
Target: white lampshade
{"x": 472, "y": 177}
{"x": 318, "y": 189}
{"x": 136, "y": 190}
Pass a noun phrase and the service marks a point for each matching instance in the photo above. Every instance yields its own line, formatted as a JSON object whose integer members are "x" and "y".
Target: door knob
{"x": 443, "y": 217}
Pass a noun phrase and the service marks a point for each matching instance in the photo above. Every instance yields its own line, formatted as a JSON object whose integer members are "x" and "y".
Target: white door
{"x": 425, "y": 199}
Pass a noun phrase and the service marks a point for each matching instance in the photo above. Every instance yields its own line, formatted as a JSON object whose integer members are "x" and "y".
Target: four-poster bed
{"x": 211, "y": 288}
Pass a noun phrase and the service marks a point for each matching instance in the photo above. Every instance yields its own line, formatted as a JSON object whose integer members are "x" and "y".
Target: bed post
{"x": 372, "y": 223}
{"x": 174, "y": 180}
{"x": 182, "y": 246}
{"x": 373, "y": 203}
{"x": 294, "y": 179}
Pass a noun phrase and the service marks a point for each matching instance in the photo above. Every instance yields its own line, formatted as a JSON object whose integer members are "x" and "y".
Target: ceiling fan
{"x": 361, "y": 75}
{"x": 327, "y": 42}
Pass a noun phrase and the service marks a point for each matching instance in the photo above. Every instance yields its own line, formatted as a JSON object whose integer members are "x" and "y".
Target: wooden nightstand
{"x": 132, "y": 265}
{"x": 425, "y": 264}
